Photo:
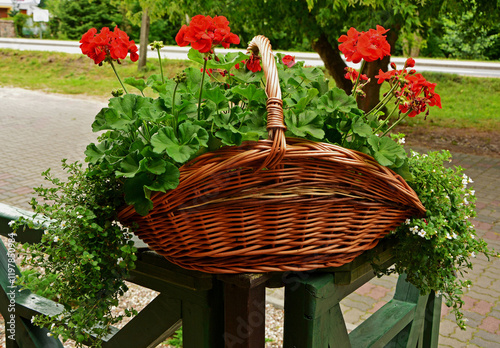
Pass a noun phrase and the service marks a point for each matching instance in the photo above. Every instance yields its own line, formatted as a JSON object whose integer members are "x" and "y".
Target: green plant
{"x": 145, "y": 140}
{"x": 176, "y": 339}
{"x": 84, "y": 254}
{"x": 435, "y": 252}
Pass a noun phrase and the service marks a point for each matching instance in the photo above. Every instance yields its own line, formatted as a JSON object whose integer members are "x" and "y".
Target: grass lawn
{"x": 468, "y": 102}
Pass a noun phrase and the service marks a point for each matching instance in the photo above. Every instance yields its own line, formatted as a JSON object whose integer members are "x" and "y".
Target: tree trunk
{"x": 333, "y": 62}
{"x": 143, "y": 44}
{"x": 372, "y": 89}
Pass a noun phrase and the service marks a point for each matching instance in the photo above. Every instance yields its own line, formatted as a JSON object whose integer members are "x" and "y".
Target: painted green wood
{"x": 203, "y": 322}
{"x": 154, "y": 323}
{"x": 383, "y": 325}
{"x": 9, "y": 213}
{"x": 432, "y": 321}
{"x": 312, "y": 313}
{"x": 15, "y": 304}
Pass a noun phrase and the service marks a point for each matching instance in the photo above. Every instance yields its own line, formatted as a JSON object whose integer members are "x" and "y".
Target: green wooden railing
{"x": 228, "y": 310}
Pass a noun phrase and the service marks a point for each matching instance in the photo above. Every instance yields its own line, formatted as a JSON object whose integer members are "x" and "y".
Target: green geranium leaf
{"x": 305, "y": 123}
{"x": 386, "y": 151}
{"x": 180, "y": 148}
{"x": 153, "y": 114}
{"x": 168, "y": 180}
{"x": 196, "y": 56}
{"x": 215, "y": 95}
{"x": 129, "y": 166}
{"x": 154, "y": 165}
{"x": 361, "y": 128}
{"x": 226, "y": 62}
{"x": 304, "y": 101}
{"x": 193, "y": 81}
{"x": 250, "y": 93}
{"x": 137, "y": 193}
{"x": 95, "y": 152}
{"x": 140, "y": 84}
{"x": 337, "y": 100}
{"x": 228, "y": 137}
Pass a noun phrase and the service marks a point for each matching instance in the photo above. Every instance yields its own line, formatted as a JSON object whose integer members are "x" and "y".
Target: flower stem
{"x": 382, "y": 102}
{"x": 384, "y": 122}
{"x": 161, "y": 68}
{"x": 118, "y": 76}
{"x": 363, "y": 62}
{"x": 395, "y": 123}
{"x": 201, "y": 87}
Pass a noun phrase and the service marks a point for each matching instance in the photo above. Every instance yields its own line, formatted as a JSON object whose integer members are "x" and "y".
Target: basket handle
{"x": 275, "y": 120}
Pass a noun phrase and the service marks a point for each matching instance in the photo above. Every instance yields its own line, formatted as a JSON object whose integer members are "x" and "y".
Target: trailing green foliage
{"x": 84, "y": 254}
{"x": 436, "y": 252}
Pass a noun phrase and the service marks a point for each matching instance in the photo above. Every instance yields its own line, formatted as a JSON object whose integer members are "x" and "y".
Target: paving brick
{"x": 486, "y": 340}
{"x": 482, "y": 307}
{"x": 491, "y": 325}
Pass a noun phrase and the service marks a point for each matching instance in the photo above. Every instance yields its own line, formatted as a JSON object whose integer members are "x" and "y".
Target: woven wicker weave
{"x": 275, "y": 205}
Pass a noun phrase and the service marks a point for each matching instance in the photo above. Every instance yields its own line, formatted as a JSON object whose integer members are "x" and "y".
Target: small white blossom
{"x": 422, "y": 233}
{"x": 79, "y": 216}
{"x": 472, "y": 254}
{"x": 448, "y": 236}
{"x": 407, "y": 221}
{"x": 46, "y": 232}
{"x": 401, "y": 141}
{"x": 56, "y": 239}
{"x": 473, "y": 192}
{"x": 439, "y": 293}
{"x": 472, "y": 236}
{"x": 11, "y": 222}
{"x": 32, "y": 320}
{"x": 454, "y": 235}
{"x": 49, "y": 334}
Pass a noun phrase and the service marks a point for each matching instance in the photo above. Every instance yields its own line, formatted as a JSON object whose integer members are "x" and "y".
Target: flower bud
{"x": 156, "y": 45}
{"x": 410, "y": 63}
{"x": 180, "y": 77}
{"x": 393, "y": 65}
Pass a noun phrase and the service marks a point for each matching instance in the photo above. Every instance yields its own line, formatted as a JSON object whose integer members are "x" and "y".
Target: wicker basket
{"x": 281, "y": 204}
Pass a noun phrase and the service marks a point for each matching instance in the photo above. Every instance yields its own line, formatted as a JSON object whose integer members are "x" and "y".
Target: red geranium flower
{"x": 205, "y": 32}
{"x": 410, "y": 63}
{"x": 370, "y": 45}
{"x": 288, "y": 60}
{"x": 112, "y": 45}
{"x": 417, "y": 94}
{"x": 386, "y": 76}
{"x": 253, "y": 63}
{"x": 352, "y": 74}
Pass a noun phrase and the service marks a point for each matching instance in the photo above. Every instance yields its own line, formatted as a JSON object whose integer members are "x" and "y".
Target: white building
{"x": 24, "y": 6}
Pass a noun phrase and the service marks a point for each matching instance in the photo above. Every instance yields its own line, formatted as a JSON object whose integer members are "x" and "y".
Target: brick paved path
{"x": 37, "y": 130}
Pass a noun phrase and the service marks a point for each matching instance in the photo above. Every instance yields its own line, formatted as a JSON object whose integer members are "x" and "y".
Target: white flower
{"x": 448, "y": 236}
{"x": 472, "y": 254}
{"x": 79, "y": 216}
{"x": 422, "y": 233}
{"x": 466, "y": 202}
{"x": 46, "y": 232}
{"x": 454, "y": 235}
{"x": 32, "y": 320}
{"x": 11, "y": 222}
{"x": 472, "y": 236}
{"x": 439, "y": 293}
{"x": 473, "y": 192}
{"x": 407, "y": 221}
{"x": 120, "y": 259}
{"x": 56, "y": 239}
{"x": 49, "y": 334}
{"x": 401, "y": 141}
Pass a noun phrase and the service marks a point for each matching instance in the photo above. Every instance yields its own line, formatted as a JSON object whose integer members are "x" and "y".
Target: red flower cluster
{"x": 205, "y": 32}
{"x": 288, "y": 60}
{"x": 253, "y": 63}
{"x": 415, "y": 93}
{"x": 352, "y": 74}
{"x": 113, "y": 45}
{"x": 370, "y": 45}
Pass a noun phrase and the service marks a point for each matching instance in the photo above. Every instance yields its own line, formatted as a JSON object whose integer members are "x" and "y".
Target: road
{"x": 468, "y": 68}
